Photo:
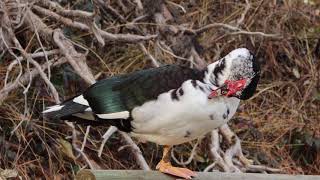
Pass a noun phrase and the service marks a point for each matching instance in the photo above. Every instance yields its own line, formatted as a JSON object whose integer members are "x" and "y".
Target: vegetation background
{"x": 53, "y": 50}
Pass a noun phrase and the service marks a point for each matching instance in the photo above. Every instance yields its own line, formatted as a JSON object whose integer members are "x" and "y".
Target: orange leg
{"x": 165, "y": 166}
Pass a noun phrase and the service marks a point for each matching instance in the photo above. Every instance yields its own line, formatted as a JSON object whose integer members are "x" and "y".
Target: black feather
{"x": 69, "y": 108}
{"x": 251, "y": 88}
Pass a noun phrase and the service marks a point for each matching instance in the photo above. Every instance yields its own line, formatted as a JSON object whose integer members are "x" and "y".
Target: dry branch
{"x": 65, "y": 12}
{"x": 24, "y": 79}
{"x": 235, "y": 30}
{"x": 77, "y": 60}
{"x": 136, "y": 151}
{"x": 129, "y": 38}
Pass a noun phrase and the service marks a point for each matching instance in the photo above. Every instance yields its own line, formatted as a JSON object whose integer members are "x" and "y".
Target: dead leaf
{"x": 66, "y": 148}
{"x": 296, "y": 73}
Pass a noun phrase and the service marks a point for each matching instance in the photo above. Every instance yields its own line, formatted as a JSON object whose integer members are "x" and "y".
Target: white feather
{"x": 240, "y": 52}
{"x": 117, "y": 115}
{"x": 53, "y": 108}
{"x": 170, "y": 122}
{"x": 80, "y": 100}
{"x": 88, "y": 109}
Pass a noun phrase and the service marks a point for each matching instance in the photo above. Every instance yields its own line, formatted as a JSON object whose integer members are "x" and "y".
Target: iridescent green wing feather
{"x": 123, "y": 93}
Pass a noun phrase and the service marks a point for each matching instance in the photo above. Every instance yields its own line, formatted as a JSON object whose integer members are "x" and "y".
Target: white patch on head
{"x": 53, "y": 108}
{"x": 117, "y": 115}
{"x": 237, "y": 65}
{"x": 80, "y": 100}
{"x": 240, "y": 52}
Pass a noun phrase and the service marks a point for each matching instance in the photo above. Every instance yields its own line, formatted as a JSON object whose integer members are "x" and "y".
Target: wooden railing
{"x": 155, "y": 175}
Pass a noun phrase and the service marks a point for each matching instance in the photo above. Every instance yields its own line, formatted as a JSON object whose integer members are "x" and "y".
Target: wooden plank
{"x": 155, "y": 175}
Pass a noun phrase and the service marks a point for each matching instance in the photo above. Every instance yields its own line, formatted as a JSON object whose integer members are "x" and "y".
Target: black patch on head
{"x": 194, "y": 83}
{"x": 218, "y": 70}
{"x": 251, "y": 88}
{"x": 202, "y": 73}
{"x": 201, "y": 88}
{"x": 228, "y": 110}
{"x": 174, "y": 95}
{"x": 211, "y": 117}
{"x": 205, "y": 70}
{"x": 181, "y": 92}
{"x": 188, "y": 133}
{"x": 224, "y": 116}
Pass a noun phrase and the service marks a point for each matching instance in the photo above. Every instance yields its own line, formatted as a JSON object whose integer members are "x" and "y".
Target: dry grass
{"x": 279, "y": 126}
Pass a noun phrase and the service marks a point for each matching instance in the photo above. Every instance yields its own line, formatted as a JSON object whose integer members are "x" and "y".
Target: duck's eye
{"x": 224, "y": 92}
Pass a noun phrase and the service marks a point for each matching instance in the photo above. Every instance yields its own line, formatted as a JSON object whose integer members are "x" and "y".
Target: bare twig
{"x": 105, "y": 6}
{"x": 192, "y": 154}
{"x": 168, "y": 51}
{"x": 38, "y": 67}
{"x": 200, "y": 63}
{"x": 262, "y": 168}
{"x": 243, "y": 15}
{"x": 85, "y": 138}
{"x": 33, "y": 55}
{"x": 139, "y": 4}
{"x": 45, "y": 78}
{"x": 25, "y": 77}
{"x": 235, "y": 29}
{"x": 178, "y": 5}
{"x": 67, "y": 49}
{"x": 105, "y": 137}
{"x": 65, "y": 12}
{"x": 66, "y": 21}
{"x": 36, "y": 64}
{"x": 137, "y": 152}
{"x": 129, "y": 38}
{"x": 75, "y": 146}
{"x": 208, "y": 168}
{"x": 153, "y": 60}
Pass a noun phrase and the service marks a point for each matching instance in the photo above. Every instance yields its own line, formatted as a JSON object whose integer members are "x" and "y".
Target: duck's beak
{"x": 235, "y": 86}
{"x": 229, "y": 88}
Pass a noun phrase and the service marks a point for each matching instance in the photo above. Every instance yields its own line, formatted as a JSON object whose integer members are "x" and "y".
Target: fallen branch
{"x": 235, "y": 30}
{"x": 192, "y": 154}
{"x": 243, "y": 15}
{"x": 155, "y": 63}
{"x": 24, "y": 79}
{"x": 76, "y": 60}
{"x": 65, "y": 12}
{"x": 105, "y": 138}
{"x": 129, "y": 38}
{"x": 136, "y": 151}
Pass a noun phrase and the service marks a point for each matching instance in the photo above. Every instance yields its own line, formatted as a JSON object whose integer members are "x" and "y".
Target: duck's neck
{"x": 216, "y": 73}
